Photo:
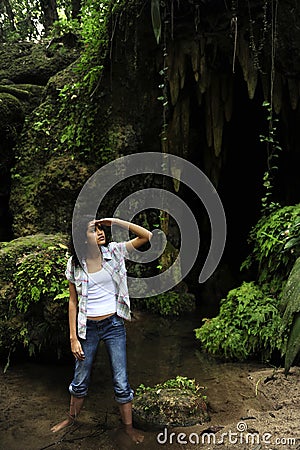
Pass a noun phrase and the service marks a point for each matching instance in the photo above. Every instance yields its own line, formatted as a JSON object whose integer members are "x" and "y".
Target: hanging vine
{"x": 271, "y": 140}
{"x": 234, "y": 29}
{"x": 257, "y": 47}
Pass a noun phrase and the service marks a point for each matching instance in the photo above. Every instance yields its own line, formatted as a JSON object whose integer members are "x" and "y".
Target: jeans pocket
{"x": 117, "y": 321}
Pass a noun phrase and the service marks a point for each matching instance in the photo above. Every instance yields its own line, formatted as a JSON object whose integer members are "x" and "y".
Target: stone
{"x": 177, "y": 402}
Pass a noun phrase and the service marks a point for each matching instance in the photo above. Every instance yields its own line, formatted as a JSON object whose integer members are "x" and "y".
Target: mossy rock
{"x": 12, "y": 252}
{"x": 34, "y": 296}
{"x": 29, "y": 95}
{"x": 31, "y": 63}
{"x": 12, "y": 115}
{"x": 46, "y": 201}
{"x": 176, "y": 402}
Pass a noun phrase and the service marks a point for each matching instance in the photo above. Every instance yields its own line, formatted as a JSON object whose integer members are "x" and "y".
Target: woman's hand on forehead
{"x": 107, "y": 221}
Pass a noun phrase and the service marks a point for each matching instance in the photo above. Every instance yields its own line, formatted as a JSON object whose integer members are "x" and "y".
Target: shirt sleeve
{"x": 119, "y": 248}
{"x": 70, "y": 271}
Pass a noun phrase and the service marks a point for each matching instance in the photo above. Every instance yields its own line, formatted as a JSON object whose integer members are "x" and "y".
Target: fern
{"x": 276, "y": 244}
{"x": 248, "y": 325}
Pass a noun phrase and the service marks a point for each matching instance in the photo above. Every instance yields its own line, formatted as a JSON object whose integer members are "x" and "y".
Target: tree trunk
{"x": 76, "y": 6}
{"x": 10, "y": 15}
{"x": 49, "y": 8}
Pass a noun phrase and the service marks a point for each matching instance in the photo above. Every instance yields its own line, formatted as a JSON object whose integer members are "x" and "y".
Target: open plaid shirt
{"x": 114, "y": 262}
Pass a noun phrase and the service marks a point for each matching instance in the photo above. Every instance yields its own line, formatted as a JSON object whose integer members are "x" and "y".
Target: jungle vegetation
{"x": 256, "y": 319}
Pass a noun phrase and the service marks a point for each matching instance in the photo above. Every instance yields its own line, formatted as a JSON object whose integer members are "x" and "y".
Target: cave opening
{"x": 240, "y": 168}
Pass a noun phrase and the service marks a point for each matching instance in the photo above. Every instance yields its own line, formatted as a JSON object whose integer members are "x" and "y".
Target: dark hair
{"x": 80, "y": 229}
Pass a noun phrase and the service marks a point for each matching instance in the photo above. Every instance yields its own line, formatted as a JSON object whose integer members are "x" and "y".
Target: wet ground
{"x": 252, "y": 406}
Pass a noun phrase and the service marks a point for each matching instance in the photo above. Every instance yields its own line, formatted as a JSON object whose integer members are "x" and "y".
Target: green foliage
{"x": 71, "y": 124}
{"x": 64, "y": 26}
{"x": 21, "y": 22}
{"x": 292, "y": 237}
{"x": 275, "y": 240}
{"x": 169, "y": 303}
{"x": 179, "y": 382}
{"x": 248, "y": 324}
{"x": 39, "y": 276}
{"x": 276, "y": 244}
{"x": 33, "y": 304}
{"x": 78, "y": 100}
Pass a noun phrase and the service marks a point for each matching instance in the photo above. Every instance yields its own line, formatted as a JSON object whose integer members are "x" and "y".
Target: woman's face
{"x": 95, "y": 234}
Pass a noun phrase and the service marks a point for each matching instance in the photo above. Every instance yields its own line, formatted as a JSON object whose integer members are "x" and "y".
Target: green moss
{"x": 176, "y": 402}
{"x": 13, "y": 251}
{"x": 11, "y": 111}
{"x": 33, "y": 294}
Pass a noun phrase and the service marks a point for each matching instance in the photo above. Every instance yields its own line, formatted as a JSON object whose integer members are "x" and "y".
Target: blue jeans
{"x": 112, "y": 331}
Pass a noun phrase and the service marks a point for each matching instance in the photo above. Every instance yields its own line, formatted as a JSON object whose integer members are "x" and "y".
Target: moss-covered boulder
{"x": 46, "y": 196}
{"x": 12, "y": 116}
{"x": 33, "y": 63}
{"x": 29, "y": 95}
{"x": 11, "y": 123}
{"x": 176, "y": 402}
{"x": 33, "y": 295}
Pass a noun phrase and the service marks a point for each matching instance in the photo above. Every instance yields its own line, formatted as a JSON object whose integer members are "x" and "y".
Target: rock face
{"x": 290, "y": 303}
{"x": 25, "y": 70}
{"x": 176, "y": 402}
{"x": 12, "y": 119}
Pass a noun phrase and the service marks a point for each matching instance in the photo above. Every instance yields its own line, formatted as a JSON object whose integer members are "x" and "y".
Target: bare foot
{"x": 61, "y": 425}
{"x": 134, "y": 434}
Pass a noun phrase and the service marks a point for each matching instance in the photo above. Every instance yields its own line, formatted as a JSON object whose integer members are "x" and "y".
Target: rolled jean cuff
{"x": 123, "y": 399}
{"x": 77, "y": 394}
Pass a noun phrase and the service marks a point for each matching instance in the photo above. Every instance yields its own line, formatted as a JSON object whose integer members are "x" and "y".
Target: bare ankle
{"x": 133, "y": 433}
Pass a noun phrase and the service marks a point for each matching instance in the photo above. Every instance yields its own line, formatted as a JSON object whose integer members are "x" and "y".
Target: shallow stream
{"x": 35, "y": 396}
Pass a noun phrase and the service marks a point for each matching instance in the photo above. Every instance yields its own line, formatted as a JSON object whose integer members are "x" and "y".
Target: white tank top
{"x": 101, "y": 294}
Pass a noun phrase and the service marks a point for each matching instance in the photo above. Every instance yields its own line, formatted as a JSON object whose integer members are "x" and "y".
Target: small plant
{"x": 179, "y": 382}
{"x": 248, "y": 325}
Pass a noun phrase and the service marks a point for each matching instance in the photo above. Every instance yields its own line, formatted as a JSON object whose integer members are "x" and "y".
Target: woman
{"x": 98, "y": 304}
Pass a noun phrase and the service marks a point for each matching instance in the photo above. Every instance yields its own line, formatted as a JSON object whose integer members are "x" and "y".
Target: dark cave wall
{"x": 215, "y": 112}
